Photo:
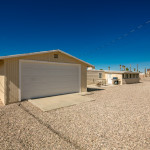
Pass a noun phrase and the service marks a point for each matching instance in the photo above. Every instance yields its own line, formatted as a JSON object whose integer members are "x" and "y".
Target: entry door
{"x": 109, "y": 77}
{"x": 41, "y": 79}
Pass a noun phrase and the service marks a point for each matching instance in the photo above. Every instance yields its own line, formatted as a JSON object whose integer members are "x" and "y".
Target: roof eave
{"x": 88, "y": 64}
{"x": 44, "y": 52}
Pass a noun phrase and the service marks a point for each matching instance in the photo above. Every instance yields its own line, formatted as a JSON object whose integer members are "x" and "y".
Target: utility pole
{"x": 145, "y": 72}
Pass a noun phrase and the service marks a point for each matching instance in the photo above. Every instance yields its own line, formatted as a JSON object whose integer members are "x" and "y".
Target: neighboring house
{"x": 142, "y": 75}
{"x": 148, "y": 73}
{"x": 41, "y": 74}
{"x": 105, "y": 77}
{"x": 95, "y": 77}
{"x": 124, "y": 77}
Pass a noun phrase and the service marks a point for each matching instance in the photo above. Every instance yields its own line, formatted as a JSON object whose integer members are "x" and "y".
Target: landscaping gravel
{"x": 118, "y": 119}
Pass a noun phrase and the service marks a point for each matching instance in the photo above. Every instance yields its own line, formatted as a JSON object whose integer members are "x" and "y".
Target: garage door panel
{"x": 46, "y": 79}
{"x": 55, "y": 73}
{"x": 52, "y": 81}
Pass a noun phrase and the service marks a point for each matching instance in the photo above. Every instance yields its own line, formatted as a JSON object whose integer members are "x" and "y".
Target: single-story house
{"x": 148, "y": 73}
{"x": 124, "y": 77}
{"x": 41, "y": 74}
{"x": 142, "y": 75}
{"x": 95, "y": 77}
{"x": 105, "y": 77}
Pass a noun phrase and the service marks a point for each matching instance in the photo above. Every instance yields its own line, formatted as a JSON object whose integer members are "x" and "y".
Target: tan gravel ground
{"x": 119, "y": 119}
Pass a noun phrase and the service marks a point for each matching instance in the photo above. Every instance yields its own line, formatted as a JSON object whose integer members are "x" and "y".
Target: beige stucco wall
{"x": 2, "y": 81}
{"x": 142, "y": 76}
{"x": 123, "y": 81}
{"x": 93, "y": 76}
{"x": 119, "y": 76}
{"x": 130, "y": 81}
{"x": 12, "y": 73}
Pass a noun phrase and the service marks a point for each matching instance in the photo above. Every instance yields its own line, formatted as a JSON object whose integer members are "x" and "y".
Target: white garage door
{"x": 41, "y": 79}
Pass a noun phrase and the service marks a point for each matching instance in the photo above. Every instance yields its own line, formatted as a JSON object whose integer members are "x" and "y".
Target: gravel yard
{"x": 119, "y": 119}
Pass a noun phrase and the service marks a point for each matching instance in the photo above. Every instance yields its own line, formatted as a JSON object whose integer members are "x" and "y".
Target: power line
{"x": 125, "y": 35}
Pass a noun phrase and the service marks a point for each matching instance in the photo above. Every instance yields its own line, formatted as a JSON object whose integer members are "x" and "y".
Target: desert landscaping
{"x": 118, "y": 119}
{"x": 75, "y": 75}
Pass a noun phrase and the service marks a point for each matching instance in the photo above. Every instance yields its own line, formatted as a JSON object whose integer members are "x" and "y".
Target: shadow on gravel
{"x": 136, "y": 83}
{"x": 94, "y": 89}
{"x": 48, "y": 126}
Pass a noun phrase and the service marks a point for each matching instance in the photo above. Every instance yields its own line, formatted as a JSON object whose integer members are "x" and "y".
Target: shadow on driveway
{"x": 94, "y": 89}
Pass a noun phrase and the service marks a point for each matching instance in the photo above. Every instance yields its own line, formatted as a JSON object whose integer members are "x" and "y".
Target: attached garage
{"x": 41, "y": 79}
{"x": 42, "y": 74}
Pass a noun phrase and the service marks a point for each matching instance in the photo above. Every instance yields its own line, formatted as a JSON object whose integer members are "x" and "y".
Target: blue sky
{"x": 84, "y": 29}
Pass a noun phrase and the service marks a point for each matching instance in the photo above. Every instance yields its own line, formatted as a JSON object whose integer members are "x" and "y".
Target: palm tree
{"x": 124, "y": 67}
{"x": 120, "y": 67}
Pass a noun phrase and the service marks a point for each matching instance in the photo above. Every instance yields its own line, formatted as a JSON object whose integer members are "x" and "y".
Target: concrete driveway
{"x": 56, "y": 102}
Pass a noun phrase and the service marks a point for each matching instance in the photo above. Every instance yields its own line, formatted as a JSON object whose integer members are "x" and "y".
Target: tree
{"x": 127, "y": 69}
{"x": 100, "y": 69}
{"x": 109, "y": 68}
{"x": 124, "y": 67}
{"x": 120, "y": 67}
{"x": 134, "y": 69}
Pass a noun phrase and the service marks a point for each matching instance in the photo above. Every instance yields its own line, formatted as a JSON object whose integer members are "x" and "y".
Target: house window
{"x": 55, "y": 55}
{"x": 123, "y": 76}
{"x": 100, "y": 75}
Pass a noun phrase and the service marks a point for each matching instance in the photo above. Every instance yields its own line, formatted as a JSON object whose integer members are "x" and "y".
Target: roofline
{"x": 89, "y": 65}
{"x": 96, "y": 70}
{"x": 121, "y": 72}
{"x": 26, "y": 54}
{"x": 44, "y": 52}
